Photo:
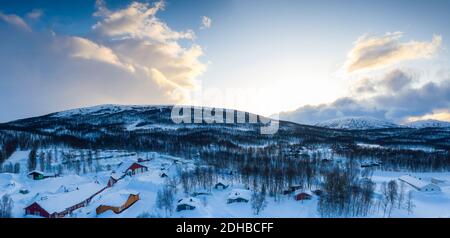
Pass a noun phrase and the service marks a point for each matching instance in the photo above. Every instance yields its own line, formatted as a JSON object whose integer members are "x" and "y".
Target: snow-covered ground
{"x": 147, "y": 185}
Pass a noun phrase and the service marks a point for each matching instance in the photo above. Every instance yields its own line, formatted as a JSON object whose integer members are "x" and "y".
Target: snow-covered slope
{"x": 428, "y": 124}
{"x": 357, "y": 123}
{"x": 105, "y": 110}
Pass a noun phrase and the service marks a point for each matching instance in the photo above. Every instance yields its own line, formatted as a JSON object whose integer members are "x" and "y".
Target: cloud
{"x": 138, "y": 20}
{"x": 441, "y": 115}
{"x": 15, "y": 20}
{"x": 373, "y": 52}
{"x": 140, "y": 61}
{"x": 35, "y": 14}
{"x": 392, "y": 82}
{"x": 82, "y": 48}
{"x": 391, "y": 97}
{"x": 343, "y": 107}
{"x": 206, "y": 22}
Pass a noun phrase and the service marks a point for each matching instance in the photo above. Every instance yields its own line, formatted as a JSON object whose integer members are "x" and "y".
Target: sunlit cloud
{"x": 130, "y": 57}
{"x": 374, "y": 52}
{"x": 138, "y": 20}
{"x": 391, "y": 97}
{"x": 82, "y": 48}
{"x": 440, "y": 116}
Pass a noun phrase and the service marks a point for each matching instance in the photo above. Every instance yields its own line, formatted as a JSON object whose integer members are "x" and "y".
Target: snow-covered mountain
{"x": 428, "y": 124}
{"x": 151, "y": 127}
{"x": 357, "y": 123}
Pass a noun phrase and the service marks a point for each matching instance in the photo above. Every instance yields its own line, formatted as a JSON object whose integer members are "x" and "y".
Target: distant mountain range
{"x": 428, "y": 123}
{"x": 357, "y": 123}
{"x": 151, "y": 128}
{"x": 367, "y": 123}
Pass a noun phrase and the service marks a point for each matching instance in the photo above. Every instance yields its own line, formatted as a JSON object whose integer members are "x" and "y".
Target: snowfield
{"x": 57, "y": 193}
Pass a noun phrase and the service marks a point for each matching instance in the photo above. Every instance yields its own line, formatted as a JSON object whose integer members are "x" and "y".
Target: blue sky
{"x": 305, "y": 56}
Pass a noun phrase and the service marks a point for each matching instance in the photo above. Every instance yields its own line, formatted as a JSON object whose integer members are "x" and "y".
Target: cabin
{"x": 370, "y": 164}
{"x": 141, "y": 160}
{"x": 437, "y": 181}
{"x": 300, "y": 196}
{"x": 36, "y": 210}
{"x": 131, "y": 168}
{"x": 200, "y": 193}
{"x": 239, "y": 195}
{"x": 119, "y": 204}
{"x": 318, "y": 192}
{"x": 220, "y": 185}
{"x": 292, "y": 189}
{"x": 136, "y": 168}
{"x": 111, "y": 181}
{"x": 163, "y": 175}
{"x": 187, "y": 204}
{"x": 420, "y": 184}
{"x": 38, "y": 175}
{"x": 62, "y": 204}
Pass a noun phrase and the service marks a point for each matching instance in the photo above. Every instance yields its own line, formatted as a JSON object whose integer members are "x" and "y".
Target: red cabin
{"x": 302, "y": 196}
{"x": 112, "y": 181}
{"x": 136, "y": 168}
{"x": 36, "y": 210}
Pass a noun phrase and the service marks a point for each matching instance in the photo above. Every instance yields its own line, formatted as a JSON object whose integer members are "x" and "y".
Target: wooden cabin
{"x": 111, "y": 181}
{"x": 64, "y": 203}
{"x": 220, "y": 185}
{"x": 187, "y": 204}
{"x": 163, "y": 175}
{"x": 135, "y": 168}
{"x": 239, "y": 195}
{"x": 420, "y": 184}
{"x": 291, "y": 189}
{"x": 38, "y": 175}
{"x": 36, "y": 210}
{"x": 119, "y": 208}
{"x": 302, "y": 196}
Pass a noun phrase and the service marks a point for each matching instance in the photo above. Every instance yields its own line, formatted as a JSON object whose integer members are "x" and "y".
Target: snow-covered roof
{"x": 240, "y": 193}
{"x": 117, "y": 199}
{"x": 189, "y": 201}
{"x": 222, "y": 182}
{"x": 115, "y": 176}
{"x": 297, "y": 192}
{"x": 122, "y": 168}
{"x": 40, "y": 172}
{"x": 59, "y": 202}
{"x": 413, "y": 181}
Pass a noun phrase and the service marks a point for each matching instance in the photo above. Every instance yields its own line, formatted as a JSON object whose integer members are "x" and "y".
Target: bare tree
{"x": 165, "y": 199}
{"x": 401, "y": 195}
{"x": 392, "y": 194}
{"x": 384, "y": 197}
{"x": 41, "y": 161}
{"x": 6, "y": 205}
{"x": 32, "y": 160}
{"x": 259, "y": 200}
{"x": 409, "y": 202}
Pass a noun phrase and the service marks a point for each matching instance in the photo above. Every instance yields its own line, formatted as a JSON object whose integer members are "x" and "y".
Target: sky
{"x": 306, "y": 61}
